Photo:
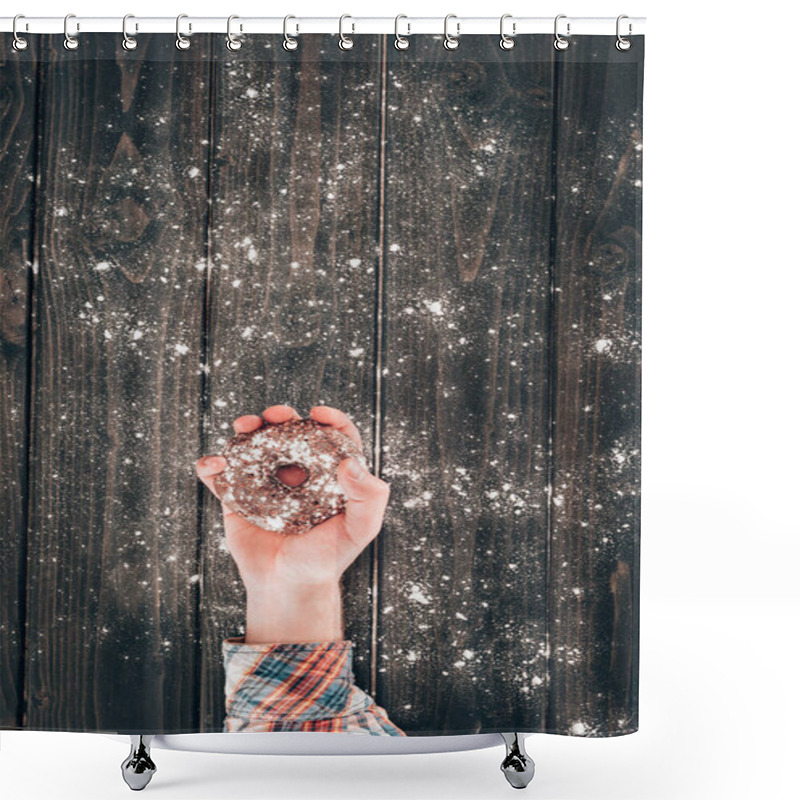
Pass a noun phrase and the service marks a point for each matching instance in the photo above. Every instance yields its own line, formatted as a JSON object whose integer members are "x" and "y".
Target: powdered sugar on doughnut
{"x": 249, "y": 484}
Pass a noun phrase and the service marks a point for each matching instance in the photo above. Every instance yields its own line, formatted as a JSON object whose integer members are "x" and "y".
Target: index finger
{"x": 328, "y": 415}
{"x": 279, "y": 413}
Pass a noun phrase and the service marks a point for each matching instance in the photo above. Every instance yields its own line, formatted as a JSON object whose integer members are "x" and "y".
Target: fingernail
{"x": 355, "y": 470}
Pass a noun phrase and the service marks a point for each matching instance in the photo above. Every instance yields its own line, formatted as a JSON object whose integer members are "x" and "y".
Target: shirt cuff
{"x": 290, "y": 682}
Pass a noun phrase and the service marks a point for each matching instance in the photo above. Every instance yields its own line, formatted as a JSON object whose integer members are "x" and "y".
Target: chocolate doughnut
{"x": 249, "y": 484}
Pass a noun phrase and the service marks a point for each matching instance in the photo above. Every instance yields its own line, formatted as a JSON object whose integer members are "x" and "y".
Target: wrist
{"x": 294, "y": 613}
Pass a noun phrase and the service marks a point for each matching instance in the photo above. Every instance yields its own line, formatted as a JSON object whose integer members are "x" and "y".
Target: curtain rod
{"x": 407, "y": 26}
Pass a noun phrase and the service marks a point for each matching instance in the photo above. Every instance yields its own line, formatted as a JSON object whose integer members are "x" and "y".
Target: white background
{"x": 719, "y": 600}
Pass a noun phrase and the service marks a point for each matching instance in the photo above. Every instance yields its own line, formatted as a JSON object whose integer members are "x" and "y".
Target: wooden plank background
{"x": 292, "y": 290}
{"x": 445, "y": 244}
{"x": 112, "y": 537}
{"x": 596, "y": 385}
{"x": 18, "y": 144}
{"x": 468, "y": 212}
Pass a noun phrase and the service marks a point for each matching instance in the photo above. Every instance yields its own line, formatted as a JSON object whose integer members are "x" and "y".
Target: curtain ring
{"x": 506, "y": 42}
{"x": 70, "y": 42}
{"x": 400, "y": 42}
{"x": 19, "y": 43}
{"x": 622, "y": 43}
{"x": 451, "y": 42}
{"x": 345, "y": 42}
{"x": 288, "y": 42}
{"x": 560, "y": 42}
{"x": 181, "y": 42}
{"x": 233, "y": 43}
{"x": 128, "y": 42}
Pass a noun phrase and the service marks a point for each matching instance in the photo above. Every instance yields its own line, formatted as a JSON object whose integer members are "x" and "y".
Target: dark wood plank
{"x": 463, "y": 585}
{"x": 292, "y": 297}
{"x": 17, "y": 203}
{"x": 594, "y": 558}
{"x": 113, "y": 579}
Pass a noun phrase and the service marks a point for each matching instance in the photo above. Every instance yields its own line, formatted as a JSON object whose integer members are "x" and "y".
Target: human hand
{"x": 282, "y": 573}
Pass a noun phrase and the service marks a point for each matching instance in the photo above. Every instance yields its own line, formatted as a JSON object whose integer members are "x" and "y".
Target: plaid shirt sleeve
{"x": 297, "y": 687}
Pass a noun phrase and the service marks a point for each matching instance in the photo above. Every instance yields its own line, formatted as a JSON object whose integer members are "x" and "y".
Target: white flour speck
{"x": 435, "y": 307}
{"x": 416, "y": 594}
{"x": 578, "y": 728}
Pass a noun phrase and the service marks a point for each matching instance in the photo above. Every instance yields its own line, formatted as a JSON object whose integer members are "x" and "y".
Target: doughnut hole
{"x": 291, "y": 475}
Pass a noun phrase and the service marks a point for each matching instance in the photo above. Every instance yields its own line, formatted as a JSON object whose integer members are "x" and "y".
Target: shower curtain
{"x": 436, "y": 253}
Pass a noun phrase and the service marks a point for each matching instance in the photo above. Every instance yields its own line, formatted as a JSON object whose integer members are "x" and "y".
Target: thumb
{"x": 367, "y": 496}
{"x": 207, "y": 469}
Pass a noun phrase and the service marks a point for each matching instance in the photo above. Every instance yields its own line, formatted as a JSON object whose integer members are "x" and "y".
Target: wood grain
{"x": 594, "y": 553}
{"x": 17, "y": 212}
{"x": 291, "y": 313}
{"x": 122, "y": 216}
{"x": 463, "y": 586}
{"x": 444, "y": 244}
